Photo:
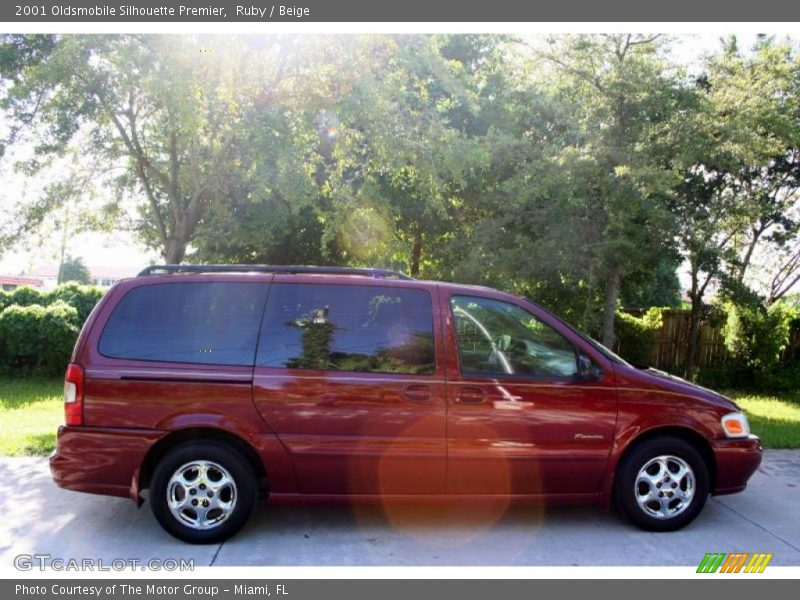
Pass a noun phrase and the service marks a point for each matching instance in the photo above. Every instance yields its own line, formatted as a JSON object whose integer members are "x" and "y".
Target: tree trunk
{"x": 695, "y": 317}
{"x": 182, "y": 232}
{"x": 588, "y": 320}
{"x": 175, "y": 251}
{"x": 416, "y": 254}
{"x": 63, "y": 255}
{"x": 610, "y": 306}
{"x": 756, "y": 233}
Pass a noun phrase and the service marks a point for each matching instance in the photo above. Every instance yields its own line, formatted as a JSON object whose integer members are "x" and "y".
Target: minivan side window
{"x": 205, "y": 323}
{"x": 499, "y": 338}
{"x": 348, "y": 328}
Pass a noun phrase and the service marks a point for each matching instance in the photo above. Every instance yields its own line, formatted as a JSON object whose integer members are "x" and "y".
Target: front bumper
{"x": 737, "y": 460}
{"x": 100, "y": 460}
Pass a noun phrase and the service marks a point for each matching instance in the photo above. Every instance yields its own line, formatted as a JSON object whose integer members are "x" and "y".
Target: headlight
{"x": 735, "y": 425}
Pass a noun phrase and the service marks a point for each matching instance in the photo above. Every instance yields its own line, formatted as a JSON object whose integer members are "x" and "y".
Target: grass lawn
{"x": 775, "y": 418}
{"x": 30, "y": 412}
{"x": 32, "y": 409}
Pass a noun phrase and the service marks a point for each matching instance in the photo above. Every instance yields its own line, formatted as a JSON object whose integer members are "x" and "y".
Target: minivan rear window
{"x": 348, "y": 328}
{"x": 204, "y": 323}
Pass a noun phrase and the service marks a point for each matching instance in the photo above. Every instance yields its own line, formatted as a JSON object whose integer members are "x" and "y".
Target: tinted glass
{"x": 499, "y": 338}
{"x": 348, "y": 328}
{"x": 206, "y": 323}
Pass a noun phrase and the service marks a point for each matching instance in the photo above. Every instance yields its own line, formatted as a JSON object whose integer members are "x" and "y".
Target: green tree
{"x": 582, "y": 196}
{"x": 73, "y": 269}
{"x": 283, "y": 210}
{"x": 657, "y": 286}
{"x": 403, "y": 146}
{"x": 173, "y": 116}
{"x": 734, "y": 155}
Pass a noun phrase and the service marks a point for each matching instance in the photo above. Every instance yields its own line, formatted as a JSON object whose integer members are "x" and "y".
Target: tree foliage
{"x": 74, "y": 269}
{"x": 734, "y": 155}
{"x": 579, "y": 170}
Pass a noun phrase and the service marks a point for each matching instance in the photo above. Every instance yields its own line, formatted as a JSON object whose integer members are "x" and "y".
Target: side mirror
{"x": 587, "y": 370}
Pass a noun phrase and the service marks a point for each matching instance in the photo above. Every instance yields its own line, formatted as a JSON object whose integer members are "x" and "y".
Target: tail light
{"x": 73, "y": 395}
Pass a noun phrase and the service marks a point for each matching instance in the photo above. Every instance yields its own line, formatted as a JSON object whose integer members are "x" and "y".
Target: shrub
{"x": 26, "y": 295}
{"x": 81, "y": 297}
{"x": 37, "y": 338}
{"x": 637, "y": 335}
{"x": 756, "y": 336}
{"x": 784, "y": 379}
{"x": 19, "y": 335}
{"x": 59, "y": 330}
{"x": 38, "y": 329}
{"x": 722, "y": 377}
{"x": 727, "y": 377}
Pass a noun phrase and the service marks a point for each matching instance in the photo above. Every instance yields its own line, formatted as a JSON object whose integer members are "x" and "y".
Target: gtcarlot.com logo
{"x": 736, "y": 562}
{"x": 29, "y": 562}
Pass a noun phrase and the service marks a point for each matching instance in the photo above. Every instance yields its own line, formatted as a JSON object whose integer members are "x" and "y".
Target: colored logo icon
{"x": 736, "y": 562}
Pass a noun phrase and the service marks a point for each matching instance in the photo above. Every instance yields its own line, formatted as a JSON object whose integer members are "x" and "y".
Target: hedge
{"x": 637, "y": 335}
{"x": 81, "y": 297}
{"x": 37, "y": 338}
{"x": 38, "y": 329}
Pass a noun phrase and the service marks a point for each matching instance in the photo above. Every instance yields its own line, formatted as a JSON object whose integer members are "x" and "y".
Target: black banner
{"x": 468, "y": 11}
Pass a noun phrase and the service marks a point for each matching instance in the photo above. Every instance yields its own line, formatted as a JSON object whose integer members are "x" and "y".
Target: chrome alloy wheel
{"x": 201, "y": 494}
{"x": 664, "y": 487}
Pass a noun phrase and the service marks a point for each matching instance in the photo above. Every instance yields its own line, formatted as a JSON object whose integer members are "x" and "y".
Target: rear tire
{"x": 203, "y": 492}
{"x": 662, "y": 484}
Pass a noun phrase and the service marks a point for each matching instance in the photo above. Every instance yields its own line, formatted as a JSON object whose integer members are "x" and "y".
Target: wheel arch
{"x": 687, "y": 434}
{"x": 199, "y": 434}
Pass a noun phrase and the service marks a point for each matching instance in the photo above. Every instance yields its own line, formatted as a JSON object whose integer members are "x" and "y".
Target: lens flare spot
{"x": 364, "y": 233}
{"x": 444, "y": 522}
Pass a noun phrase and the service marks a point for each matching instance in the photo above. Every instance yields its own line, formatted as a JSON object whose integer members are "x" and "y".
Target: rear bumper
{"x": 737, "y": 460}
{"x": 101, "y": 461}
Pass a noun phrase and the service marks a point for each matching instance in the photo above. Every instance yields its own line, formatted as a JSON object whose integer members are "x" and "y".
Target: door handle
{"x": 470, "y": 395}
{"x": 417, "y": 393}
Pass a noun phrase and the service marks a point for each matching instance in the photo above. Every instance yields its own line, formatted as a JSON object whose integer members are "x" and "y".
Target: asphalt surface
{"x": 38, "y": 517}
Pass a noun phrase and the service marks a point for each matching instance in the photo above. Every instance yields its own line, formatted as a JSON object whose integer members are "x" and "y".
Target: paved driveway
{"x": 41, "y": 518}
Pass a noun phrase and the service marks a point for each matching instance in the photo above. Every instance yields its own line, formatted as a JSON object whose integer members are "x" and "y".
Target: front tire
{"x": 662, "y": 484}
{"x": 203, "y": 492}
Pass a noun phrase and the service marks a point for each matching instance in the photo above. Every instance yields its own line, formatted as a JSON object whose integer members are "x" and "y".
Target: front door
{"x": 347, "y": 376}
{"x": 520, "y": 421}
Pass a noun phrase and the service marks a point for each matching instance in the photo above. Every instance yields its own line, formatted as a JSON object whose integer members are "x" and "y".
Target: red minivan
{"x": 212, "y": 386}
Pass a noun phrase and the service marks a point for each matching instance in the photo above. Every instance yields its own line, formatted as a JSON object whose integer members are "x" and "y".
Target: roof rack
{"x": 278, "y": 269}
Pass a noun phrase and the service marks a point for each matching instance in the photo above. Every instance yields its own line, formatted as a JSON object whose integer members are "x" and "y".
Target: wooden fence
{"x": 672, "y": 341}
